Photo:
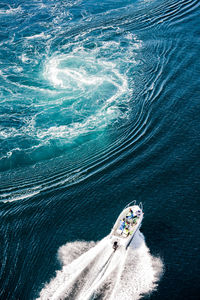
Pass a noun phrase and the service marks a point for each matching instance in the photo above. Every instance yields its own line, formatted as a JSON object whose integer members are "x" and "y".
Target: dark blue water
{"x": 99, "y": 105}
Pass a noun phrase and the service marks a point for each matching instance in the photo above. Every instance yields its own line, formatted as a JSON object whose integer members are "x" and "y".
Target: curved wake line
{"x": 93, "y": 271}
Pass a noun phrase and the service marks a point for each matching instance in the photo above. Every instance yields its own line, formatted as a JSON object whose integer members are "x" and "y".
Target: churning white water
{"x": 94, "y": 271}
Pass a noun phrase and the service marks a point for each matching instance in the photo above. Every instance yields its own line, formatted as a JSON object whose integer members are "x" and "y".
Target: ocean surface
{"x": 99, "y": 105}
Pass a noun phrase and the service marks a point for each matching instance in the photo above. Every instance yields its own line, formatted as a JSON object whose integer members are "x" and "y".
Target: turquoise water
{"x": 99, "y": 105}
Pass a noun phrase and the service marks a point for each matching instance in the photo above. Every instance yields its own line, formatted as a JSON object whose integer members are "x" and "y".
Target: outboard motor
{"x": 115, "y": 245}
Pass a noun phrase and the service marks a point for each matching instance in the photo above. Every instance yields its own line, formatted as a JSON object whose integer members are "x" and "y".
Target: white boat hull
{"x": 125, "y": 236}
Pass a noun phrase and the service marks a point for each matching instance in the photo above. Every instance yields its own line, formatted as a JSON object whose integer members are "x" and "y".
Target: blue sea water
{"x": 99, "y": 105}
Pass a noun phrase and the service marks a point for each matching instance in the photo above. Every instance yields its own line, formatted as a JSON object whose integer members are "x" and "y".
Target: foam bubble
{"x": 10, "y": 11}
{"x": 26, "y": 59}
{"x": 8, "y": 132}
{"x": 41, "y": 35}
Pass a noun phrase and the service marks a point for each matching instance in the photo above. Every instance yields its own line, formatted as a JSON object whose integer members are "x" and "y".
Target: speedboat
{"x": 126, "y": 226}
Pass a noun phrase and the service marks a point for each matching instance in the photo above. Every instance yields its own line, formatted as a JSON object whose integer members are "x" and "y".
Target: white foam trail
{"x": 41, "y": 35}
{"x": 124, "y": 274}
{"x": 10, "y": 11}
{"x": 20, "y": 197}
{"x": 58, "y": 287}
{"x": 23, "y": 192}
{"x": 141, "y": 272}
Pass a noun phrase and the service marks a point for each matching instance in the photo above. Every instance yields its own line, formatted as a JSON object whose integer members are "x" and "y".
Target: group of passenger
{"x": 127, "y": 221}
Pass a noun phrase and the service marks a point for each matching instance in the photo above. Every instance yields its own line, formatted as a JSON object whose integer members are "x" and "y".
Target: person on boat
{"x": 130, "y": 215}
{"x": 115, "y": 245}
{"x": 138, "y": 213}
{"x": 122, "y": 225}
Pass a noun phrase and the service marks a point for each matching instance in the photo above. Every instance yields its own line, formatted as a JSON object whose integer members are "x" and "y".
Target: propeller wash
{"x": 102, "y": 271}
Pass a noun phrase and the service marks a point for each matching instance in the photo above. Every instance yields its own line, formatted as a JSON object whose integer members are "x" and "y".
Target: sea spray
{"x": 93, "y": 271}
{"x": 141, "y": 271}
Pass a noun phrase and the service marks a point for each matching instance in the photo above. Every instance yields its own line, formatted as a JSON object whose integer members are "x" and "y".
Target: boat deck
{"x": 131, "y": 223}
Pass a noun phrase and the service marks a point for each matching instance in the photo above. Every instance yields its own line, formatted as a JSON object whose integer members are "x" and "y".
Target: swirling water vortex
{"x": 64, "y": 93}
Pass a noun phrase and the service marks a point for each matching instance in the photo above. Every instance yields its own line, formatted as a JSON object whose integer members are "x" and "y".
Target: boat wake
{"x": 94, "y": 271}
